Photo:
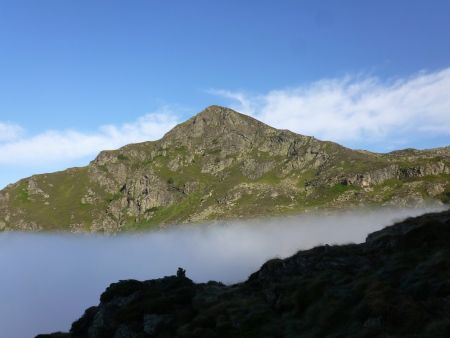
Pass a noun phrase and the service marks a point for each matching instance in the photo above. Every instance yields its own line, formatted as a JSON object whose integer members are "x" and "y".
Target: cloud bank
{"x": 357, "y": 109}
{"x": 51, "y": 278}
{"x": 60, "y": 146}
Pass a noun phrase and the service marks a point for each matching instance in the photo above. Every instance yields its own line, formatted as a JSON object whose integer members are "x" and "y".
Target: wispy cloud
{"x": 62, "y": 146}
{"x": 9, "y": 131}
{"x": 247, "y": 103}
{"x": 357, "y": 109}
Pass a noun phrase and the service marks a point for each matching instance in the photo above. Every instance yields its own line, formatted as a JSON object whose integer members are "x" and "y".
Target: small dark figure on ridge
{"x": 181, "y": 273}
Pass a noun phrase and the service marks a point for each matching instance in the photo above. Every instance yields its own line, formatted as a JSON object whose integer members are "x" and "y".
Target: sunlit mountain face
{"x": 221, "y": 164}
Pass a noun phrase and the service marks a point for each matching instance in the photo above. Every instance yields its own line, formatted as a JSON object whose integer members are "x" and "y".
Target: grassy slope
{"x": 66, "y": 189}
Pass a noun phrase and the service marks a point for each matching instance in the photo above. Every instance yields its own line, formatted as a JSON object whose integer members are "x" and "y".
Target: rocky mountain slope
{"x": 396, "y": 284}
{"x": 220, "y": 164}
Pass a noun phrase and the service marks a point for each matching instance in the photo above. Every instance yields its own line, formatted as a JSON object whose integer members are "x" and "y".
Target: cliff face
{"x": 220, "y": 164}
{"x": 396, "y": 284}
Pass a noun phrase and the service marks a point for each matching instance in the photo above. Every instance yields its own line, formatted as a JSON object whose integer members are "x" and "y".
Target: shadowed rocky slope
{"x": 396, "y": 284}
{"x": 220, "y": 164}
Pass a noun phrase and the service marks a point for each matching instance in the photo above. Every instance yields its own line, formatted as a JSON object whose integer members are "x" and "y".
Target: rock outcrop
{"x": 394, "y": 171}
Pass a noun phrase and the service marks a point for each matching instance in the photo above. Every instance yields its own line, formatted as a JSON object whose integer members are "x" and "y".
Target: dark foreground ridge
{"x": 396, "y": 284}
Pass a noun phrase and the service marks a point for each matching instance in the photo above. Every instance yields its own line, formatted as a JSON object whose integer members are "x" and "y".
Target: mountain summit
{"x": 219, "y": 119}
{"x": 234, "y": 131}
{"x": 220, "y": 164}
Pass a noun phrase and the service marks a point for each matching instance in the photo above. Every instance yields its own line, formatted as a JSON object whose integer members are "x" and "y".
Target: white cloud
{"x": 246, "y": 102}
{"x": 69, "y": 145}
{"x": 9, "y": 131}
{"x": 357, "y": 109}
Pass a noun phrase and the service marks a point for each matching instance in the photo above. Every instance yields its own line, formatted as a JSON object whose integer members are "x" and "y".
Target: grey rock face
{"x": 373, "y": 177}
{"x": 147, "y": 192}
{"x": 396, "y": 172}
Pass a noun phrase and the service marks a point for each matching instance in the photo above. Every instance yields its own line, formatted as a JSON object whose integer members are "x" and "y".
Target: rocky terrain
{"x": 221, "y": 164}
{"x": 396, "y": 284}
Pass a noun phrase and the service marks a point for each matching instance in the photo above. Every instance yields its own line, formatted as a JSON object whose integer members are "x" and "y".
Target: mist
{"x": 48, "y": 280}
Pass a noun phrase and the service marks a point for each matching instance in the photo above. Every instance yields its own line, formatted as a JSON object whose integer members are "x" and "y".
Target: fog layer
{"x": 48, "y": 280}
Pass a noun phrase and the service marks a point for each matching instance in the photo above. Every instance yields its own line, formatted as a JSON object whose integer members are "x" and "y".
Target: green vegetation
{"x": 176, "y": 212}
{"x": 114, "y": 197}
{"x": 22, "y": 195}
{"x": 122, "y": 157}
{"x": 339, "y": 188}
{"x": 61, "y": 202}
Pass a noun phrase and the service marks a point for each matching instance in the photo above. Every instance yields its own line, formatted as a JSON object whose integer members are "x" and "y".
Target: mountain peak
{"x": 220, "y": 115}
{"x": 216, "y": 109}
{"x": 216, "y": 121}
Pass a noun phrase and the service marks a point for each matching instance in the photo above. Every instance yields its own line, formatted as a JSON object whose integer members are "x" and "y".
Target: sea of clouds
{"x": 49, "y": 279}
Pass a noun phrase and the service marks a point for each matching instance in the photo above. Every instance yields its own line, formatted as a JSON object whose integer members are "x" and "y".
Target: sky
{"x": 80, "y": 76}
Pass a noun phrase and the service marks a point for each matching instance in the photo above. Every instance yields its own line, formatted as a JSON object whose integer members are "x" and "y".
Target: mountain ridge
{"x": 220, "y": 164}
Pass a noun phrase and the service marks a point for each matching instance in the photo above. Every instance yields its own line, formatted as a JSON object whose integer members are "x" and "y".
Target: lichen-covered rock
{"x": 146, "y": 192}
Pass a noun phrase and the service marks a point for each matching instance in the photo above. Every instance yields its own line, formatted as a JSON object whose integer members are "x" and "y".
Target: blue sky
{"x": 67, "y": 68}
